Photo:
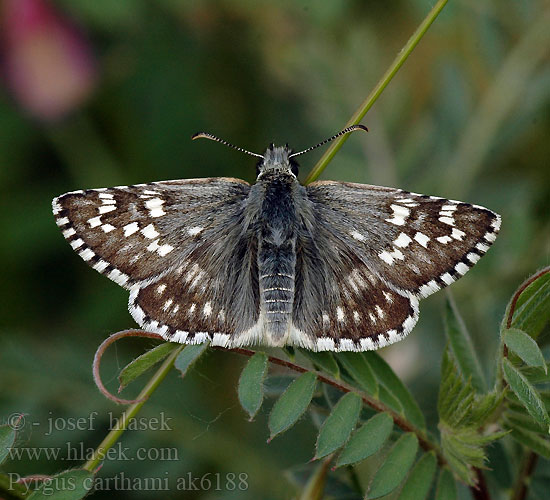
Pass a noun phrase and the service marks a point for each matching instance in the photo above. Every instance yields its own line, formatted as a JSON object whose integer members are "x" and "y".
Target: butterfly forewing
{"x": 418, "y": 244}
{"x": 134, "y": 233}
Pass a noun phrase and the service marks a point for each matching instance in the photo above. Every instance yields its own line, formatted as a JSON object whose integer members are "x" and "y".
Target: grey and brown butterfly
{"x": 328, "y": 266}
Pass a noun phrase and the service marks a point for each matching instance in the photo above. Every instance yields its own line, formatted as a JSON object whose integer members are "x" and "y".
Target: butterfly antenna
{"x": 206, "y": 135}
{"x": 347, "y": 130}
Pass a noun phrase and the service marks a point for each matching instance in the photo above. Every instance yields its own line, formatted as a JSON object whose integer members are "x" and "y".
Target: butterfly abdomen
{"x": 277, "y": 257}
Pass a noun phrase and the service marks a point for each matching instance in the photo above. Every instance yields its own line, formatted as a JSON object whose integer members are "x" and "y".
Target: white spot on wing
{"x": 358, "y": 236}
{"x": 108, "y": 228}
{"x": 325, "y": 344}
{"x": 207, "y": 309}
{"x": 447, "y": 278}
{"x": 95, "y": 221}
{"x": 422, "y": 239}
{"x": 221, "y": 339}
{"x": 473, "y": 257}
{"x": 402, "y": 240}
{"x": 130, "y": 229}
{"x": 482, "y": 247}
{"x": 193, "y": 231}
{"x": 118, "y": 277}
{"x": 100, "y": 266}
{"x": 86, "y": 254}
{"x": 367, "y": 344}
{"x": 400, "y": 214}
{"x": 386, "y": 257}
{"x": 340, "y": 314}
{"x": 157, "y": 212}
{"x": 103, "y": 209}
{"x": 429, "y": 288}
{"x": 153, "y": 247}
{"x": 164, "y": 249}
{"x": 457, "y": 234}
{"x": 461, "y": 268}
{"x": 346, "y": 345}
{"x": 447, "y": 220}
{"x": 150, "y": 232}
{"x": 76, "y": 243}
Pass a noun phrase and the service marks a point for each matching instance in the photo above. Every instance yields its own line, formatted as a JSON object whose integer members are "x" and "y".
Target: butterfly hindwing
{"x": 343, "y": 304}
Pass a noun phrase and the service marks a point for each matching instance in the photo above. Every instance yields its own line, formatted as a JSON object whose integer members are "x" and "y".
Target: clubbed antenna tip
{"x": 347, "y": 130}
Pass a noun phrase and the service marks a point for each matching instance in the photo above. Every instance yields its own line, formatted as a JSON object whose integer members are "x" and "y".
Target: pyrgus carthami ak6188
{"x": 333, "y": 266}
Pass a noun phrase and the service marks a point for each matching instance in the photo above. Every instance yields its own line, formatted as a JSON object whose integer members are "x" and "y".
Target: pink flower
{"x": 47, "y": 63}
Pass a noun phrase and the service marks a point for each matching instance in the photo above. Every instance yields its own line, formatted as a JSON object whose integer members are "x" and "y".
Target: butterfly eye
{"x": 271, "y": 146}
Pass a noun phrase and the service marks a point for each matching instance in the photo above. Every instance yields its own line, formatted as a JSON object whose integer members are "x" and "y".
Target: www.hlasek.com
{"x": 80, "y": 453}
{"x": 210, "y": 481}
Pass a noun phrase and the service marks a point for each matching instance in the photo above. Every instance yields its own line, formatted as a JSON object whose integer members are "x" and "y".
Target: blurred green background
{"x": 467, "y": 118}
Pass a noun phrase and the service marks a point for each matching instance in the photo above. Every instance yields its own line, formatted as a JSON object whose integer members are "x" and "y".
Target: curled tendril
{"x": 99, "y": 354}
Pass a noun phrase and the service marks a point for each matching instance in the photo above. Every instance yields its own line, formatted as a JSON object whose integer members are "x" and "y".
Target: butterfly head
{"x": 277, "y": 159}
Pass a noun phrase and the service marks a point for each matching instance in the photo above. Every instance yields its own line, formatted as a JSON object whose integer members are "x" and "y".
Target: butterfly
{"x": 330, "y": 266}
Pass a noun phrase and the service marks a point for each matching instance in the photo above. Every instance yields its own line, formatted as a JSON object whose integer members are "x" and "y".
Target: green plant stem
{"x": 122, "y": 423}
{"x": 521, "y": 487}
{"x": 401, "y": 57}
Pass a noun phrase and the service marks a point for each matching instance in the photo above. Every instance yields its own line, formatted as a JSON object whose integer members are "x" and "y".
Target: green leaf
{"x": 526, "y": 393}
{"x": 69, "y": 485}
{"x": 324, "y": 361}
{"x": 420, "y": 479}
{"x": 356, "y": 365}
{"x": 390, "y": 400}
{"x": 367, "y": 440}
{"x": 462, "y": 413}
{"x": 189, "y": 356}
{"x": 292, "y": 404}
{"x": 395, "y": 466}
{"x": 251, "y": 389}
{"x": 531, "y": 440}
{"x": 387, "y": 377}
{"x": 7, "y": 437}
{"x": 524, "y": 346}
{"x": 532, "y": 312}
{"x": 521, "y": 419}
{"x": 446, "y": 485}
{"x": 338, "y": 425}
{"x": 536, "y": 375}
{"x": 462, "y": 347}
{"x": 141, "y": 364}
